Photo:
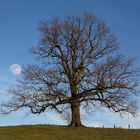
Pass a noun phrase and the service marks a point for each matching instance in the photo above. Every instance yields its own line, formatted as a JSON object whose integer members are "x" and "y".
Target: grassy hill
{"x": 49, "y": 132}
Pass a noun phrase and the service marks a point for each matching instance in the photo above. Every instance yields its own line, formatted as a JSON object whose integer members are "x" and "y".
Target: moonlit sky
{"x": 19, "y": 20}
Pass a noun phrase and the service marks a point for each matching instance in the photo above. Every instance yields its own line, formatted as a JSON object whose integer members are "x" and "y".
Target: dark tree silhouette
{"x": 78, "y": 69}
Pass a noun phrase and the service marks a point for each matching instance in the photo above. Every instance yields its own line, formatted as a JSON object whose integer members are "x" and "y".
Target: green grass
{"x": 50, "y": 132}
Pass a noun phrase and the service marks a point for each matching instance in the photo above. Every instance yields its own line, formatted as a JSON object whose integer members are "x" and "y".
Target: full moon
{"x": 15, "y": 69}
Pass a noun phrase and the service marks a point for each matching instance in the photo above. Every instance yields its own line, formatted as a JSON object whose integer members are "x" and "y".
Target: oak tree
{"x": 77, "y": 69}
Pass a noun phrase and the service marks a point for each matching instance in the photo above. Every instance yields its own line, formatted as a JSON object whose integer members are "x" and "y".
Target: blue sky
{"x": 19, "y": 20}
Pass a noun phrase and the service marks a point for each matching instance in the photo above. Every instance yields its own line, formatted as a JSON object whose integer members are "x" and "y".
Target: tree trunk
{"x": 75, "y": 110}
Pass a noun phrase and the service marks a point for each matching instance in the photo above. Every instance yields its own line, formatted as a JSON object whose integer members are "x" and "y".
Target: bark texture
{"x": 75, "y": 109}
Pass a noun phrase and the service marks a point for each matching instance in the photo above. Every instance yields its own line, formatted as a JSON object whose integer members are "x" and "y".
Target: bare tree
{"x": 78, "y": 69}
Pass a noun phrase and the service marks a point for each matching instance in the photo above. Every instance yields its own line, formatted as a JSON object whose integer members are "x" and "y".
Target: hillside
{"x": 49, "y": 132}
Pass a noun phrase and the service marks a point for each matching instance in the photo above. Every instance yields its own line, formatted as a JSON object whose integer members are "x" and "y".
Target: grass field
{"x": 49, "y": 132}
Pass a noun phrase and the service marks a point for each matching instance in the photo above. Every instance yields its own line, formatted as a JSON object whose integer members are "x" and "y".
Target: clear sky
{"x": 19, "y": 21}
